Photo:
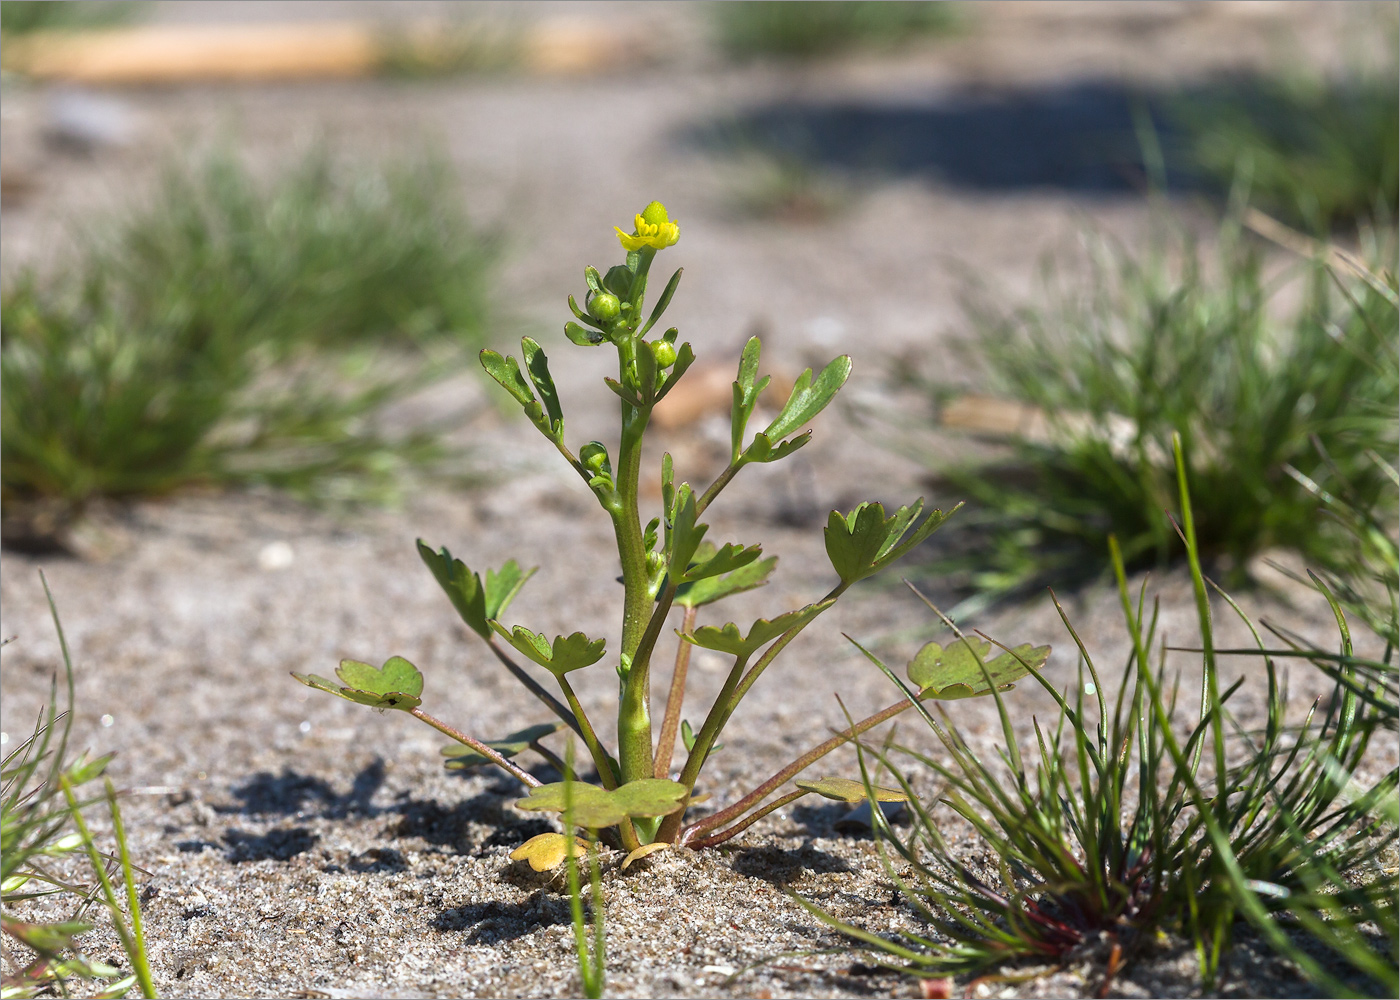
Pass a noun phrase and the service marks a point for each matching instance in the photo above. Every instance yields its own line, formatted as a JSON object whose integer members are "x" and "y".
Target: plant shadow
{"x": 785, "y": 868}
{"x": 495, "y": 922}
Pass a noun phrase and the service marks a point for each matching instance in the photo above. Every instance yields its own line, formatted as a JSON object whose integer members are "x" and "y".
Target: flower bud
{"x": 664, "y": 353}
{"x": 604, "y": 306}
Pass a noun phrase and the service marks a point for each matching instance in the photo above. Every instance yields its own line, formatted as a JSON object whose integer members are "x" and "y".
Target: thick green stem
{"x": 675, "y": 698}
{"x": 634, "y": 711}
{"x": 693, "y": 832}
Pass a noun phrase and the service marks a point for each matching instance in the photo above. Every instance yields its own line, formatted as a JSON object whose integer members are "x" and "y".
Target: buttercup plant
{"x": 640, "y": 803}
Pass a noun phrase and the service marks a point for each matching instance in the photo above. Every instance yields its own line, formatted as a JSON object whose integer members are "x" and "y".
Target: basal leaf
{"x": 727, "y": 639}
{"x": 716, "y": 588}
{"x": 646, "y": 850}
{"x": 547, "y": 851}
{"x": 463, "y": 757}
{"x": 397, "y": 676}
{"x": 810, "y": 397}
{"x": 597, "y": 808}
{"x": 957, "y": 671}
{"x": 397, "y": 684}
{"x": 476, "y": 605}
{"x": 846, "y": 790}
{"x": 650, "y": 796}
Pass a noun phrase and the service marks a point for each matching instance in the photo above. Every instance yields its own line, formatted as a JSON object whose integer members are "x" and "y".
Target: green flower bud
{"x": 664, "y": 353}
{"x": 604, "y": 306}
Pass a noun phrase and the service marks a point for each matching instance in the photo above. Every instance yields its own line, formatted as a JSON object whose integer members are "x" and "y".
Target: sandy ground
{"x": 302, "y": 846}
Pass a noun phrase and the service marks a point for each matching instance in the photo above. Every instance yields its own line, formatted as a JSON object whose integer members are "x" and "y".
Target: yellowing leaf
{"x": 547, "y": 851}
{"x": 846, "y": 790}
{"x": 644, "y": 851}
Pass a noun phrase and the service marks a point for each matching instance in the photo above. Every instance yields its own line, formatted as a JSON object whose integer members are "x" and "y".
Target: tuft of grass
{"x": 19, "y": 17}
{"x": 42, "y": 825}
{"x": 590, "y": 950}
{"x": 750, "y": 29}
{"x": 1317, "y": 153}
{"x": 1171, "y": 342}
{"x": 1137, "y": 815}
{"x": 234, "y": 332}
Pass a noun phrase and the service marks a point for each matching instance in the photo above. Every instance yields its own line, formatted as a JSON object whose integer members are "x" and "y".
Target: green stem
{"x": 675, "y": 698}
{"x": 490, "y": 754}
{"x": 720, "y": 483}
{"x": 533, "y": 686}
{"x": 729, "y": 697}
{"x": 634, "y": 711}
{"x": 796, "y": 767}
{"x": 590, "y": 738}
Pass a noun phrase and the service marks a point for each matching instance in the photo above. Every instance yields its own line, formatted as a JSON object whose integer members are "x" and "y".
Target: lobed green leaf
{"x": 810, "y": 397}
{"x": 865, "y": 541}
{"x": 746, "y": 393}
{"x": 716, "y": 588}
{"x": 506, "y": 371}
{"x": 475, "y": 604}
{"x": 727, "y": 638}
{"x": 397, "y": 684}
{"x": 566, "y": 653}
{"x": 731, "y": 557}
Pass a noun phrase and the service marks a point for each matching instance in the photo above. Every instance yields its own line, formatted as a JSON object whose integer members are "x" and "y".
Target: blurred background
{"x": 257, "y": 245}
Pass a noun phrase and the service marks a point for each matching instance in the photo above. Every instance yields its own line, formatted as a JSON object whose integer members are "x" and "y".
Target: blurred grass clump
{"x": 1316, "y": 153}
{"x": 20, "y": 17}
{"x": 750, "y": 29}
{"x": 1126, "y": 351}
{"x": 234, "y": 331}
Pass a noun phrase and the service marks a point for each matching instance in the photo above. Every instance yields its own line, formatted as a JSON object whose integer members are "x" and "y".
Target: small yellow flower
{"x": 654, "y": 229}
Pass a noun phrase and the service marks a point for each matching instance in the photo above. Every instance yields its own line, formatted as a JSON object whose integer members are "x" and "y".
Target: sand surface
{"x": 299, "y": 845}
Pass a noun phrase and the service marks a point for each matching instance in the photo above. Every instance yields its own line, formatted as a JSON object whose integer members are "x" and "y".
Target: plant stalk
{"x": 809, "y": 758}
{"x": 675, "y": 698}
{"x": 492, "y": 755}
